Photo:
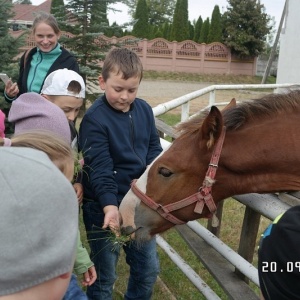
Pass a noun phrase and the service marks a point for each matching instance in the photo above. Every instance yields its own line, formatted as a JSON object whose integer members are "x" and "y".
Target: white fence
{"x": 183, "y": 101}
{"x": 269, "y": 206}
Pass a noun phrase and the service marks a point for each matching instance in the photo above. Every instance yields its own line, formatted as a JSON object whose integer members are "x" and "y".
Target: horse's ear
{"x": 231, "y": 104}
{"x": 212, "y": 126}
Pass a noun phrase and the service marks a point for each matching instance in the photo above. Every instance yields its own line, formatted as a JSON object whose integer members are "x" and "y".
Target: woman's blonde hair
{"x": 57, "y": 149}
{"x": 43, "y": 17}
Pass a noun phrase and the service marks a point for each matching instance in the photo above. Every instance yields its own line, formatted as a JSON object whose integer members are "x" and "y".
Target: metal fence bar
{"x": 187, "y": 270}
{"x": 235, "y": 259}
{"x": 164, "y": 107}
{"x": 268, "y": 205}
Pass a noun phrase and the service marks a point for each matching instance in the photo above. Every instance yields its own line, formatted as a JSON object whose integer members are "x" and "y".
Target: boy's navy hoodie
{"x": 117, "y": 147}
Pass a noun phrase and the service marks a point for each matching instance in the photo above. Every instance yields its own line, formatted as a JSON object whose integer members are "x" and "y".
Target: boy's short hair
{"x": 38, "y": 220}
{"x": 279, "y": 257}
{"x": 64, "y": 82}
{"x": 124, "y": 61}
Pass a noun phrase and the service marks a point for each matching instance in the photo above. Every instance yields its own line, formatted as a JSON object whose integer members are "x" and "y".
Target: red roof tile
{"x": 27, "y": 12}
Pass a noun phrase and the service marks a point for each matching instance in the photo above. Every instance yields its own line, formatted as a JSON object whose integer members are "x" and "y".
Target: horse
{"x": 250, "y": 147}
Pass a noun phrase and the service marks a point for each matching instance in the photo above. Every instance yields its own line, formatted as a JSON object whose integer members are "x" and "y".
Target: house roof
{"x": 27, "y": 12}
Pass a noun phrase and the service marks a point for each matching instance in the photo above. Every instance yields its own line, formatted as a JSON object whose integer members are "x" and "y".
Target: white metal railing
{"x": 185, "y": 99}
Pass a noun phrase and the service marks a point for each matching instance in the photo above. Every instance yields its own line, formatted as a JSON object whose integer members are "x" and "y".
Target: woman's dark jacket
{"x": 65, "y": 60}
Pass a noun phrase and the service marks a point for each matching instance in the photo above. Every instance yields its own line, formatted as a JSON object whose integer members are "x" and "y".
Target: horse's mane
{"x": 235, "y": 117}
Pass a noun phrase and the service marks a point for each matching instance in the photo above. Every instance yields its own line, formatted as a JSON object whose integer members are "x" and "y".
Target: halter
{"x": 202, "y": 197}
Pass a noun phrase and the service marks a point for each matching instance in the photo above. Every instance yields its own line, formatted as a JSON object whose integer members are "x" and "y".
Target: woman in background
{"x": 37, "y": 63}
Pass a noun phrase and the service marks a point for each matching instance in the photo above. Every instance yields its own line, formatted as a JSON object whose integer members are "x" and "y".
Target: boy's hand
{"x": 11, "y": 89}
{"x": 112, "y": 219}
{"x": 79, "y": 191}
{"x": 89, "y": 276}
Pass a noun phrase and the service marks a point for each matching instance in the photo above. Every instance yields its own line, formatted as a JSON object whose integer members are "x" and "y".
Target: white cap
{"x": 56, "y": 83}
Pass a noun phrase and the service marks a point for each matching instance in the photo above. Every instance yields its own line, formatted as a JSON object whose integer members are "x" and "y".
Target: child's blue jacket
{"x": 116, "y": 147}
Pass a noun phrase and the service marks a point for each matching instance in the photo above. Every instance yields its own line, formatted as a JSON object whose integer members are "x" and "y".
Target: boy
{"x": 42, "y": 220}
{"x": 118, "y": 139}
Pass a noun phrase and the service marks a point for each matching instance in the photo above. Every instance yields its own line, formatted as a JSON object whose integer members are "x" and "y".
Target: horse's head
{"x": 176, "y": 174}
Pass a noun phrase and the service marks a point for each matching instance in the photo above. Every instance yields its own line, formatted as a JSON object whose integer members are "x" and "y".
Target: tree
{"x": 58, "y": 10}
{"x": 191, "y": 31}
{"x": 204, "y": 31}
{"x": 197, "y": 31}
{"x": 166, "y": 29}
{"x": 23, "y": 2}
{"x": 160, "y": 12}
{"x": 180, "y": 27}
{"x": 245, "y": 27}
{"x": 86, "y": 23}
{"x": 57, "y": 5}
{"x": 141, "y": 27}
{"x": 9, "y": 48}
{"x": 114, "y": 30}
{"x": 215, "y": 28}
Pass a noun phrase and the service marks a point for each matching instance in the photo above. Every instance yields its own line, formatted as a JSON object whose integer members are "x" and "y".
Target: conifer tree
{"x": 9, "y": 48}
{"x": 58, "y": 10}
{"x": 198, "y": 29}
{"x": 141, "y": 27}
{"x": 56, "y": 6}
{"x": 245, "y": 27}
{"x": 215, "y": 28}
{"x": 204, "y": 31}
{"x": 160, "y": 11}
{"x": 166, "y": 31}
{"x": 191, "y": 30}
{"x": 87, "y": 25}
{"x": 85, "y": 20}
{"x": 23, "y": 2}
{"x": 180, "y": 27}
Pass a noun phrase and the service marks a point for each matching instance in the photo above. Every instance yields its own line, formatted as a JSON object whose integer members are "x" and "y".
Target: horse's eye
{"x": 164, "y": 172}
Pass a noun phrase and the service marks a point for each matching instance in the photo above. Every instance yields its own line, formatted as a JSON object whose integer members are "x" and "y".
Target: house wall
{"x": 289, "y": 58}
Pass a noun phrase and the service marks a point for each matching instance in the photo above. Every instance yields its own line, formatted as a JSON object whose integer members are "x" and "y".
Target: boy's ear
{"x": 101, "y": 82}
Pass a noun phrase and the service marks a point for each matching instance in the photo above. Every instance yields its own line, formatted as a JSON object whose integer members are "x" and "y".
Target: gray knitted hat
{"x": 32, "y": 111}
{"x": 38, "y": 220}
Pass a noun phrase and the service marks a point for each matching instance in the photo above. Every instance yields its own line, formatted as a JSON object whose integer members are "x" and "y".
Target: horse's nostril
{"x": 126, "y": 230}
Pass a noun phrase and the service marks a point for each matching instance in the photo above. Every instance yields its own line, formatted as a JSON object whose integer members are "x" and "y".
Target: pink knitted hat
{"x": 2, "y": 125}
{"x": 32, "y": 111}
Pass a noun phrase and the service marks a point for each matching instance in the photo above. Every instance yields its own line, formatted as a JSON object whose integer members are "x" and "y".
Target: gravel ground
{"x": 156, "y": 92}
{"x": 160, "y": 91}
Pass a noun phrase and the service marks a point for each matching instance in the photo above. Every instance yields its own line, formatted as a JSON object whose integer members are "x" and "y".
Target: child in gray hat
{"x": 31, "y": 111}
{"x": 39, "y": 226}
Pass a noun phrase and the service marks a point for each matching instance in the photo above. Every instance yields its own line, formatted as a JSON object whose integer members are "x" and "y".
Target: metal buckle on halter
{"x": 160, "y": 209}
{"x": 213, "y": 165}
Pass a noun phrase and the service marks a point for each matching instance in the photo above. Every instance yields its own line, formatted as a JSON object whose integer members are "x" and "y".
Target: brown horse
{"x": 253, "y": 147}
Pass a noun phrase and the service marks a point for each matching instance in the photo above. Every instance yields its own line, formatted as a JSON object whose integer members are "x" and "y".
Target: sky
{"x": 203, "y": 8}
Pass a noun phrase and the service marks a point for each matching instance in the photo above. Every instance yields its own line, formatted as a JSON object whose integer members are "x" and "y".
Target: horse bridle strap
{"x": 202, "y": 197}
{"x": 162, "y": 210}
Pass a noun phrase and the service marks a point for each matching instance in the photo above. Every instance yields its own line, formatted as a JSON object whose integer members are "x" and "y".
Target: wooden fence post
{"x": 248, "y": 237}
